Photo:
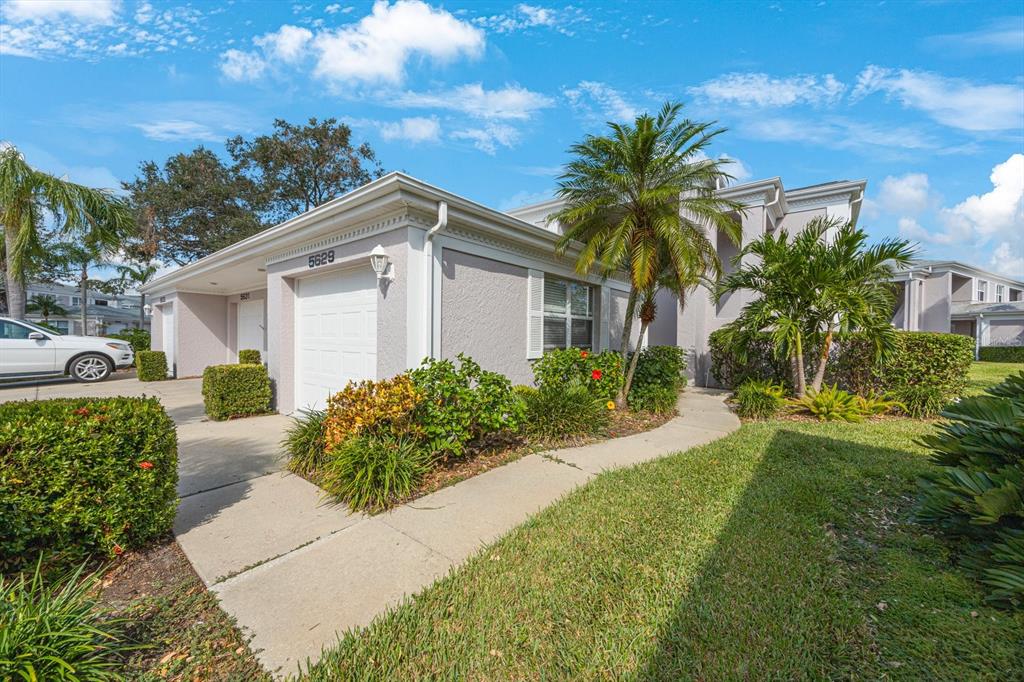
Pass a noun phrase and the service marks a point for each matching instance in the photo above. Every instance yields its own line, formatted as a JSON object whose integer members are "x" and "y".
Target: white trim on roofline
{"x": 962, "y": 269}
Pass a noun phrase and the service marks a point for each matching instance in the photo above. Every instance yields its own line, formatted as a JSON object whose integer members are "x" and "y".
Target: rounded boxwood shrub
{"x": 249, "y": 356}
{"x": 601, "y": 373}
{"x": 658, "y": 379}
{"x": 85, "y": 475}
{"x": 236, "y": 391}
{"x": 152, "y": 365}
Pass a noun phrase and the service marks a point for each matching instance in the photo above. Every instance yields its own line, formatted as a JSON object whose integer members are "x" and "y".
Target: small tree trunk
{"x": 85, "y": 301}
{"x": 15, "y": 287}
{"x": 627, "y": 326}
{"x": 628, "y": 382}
{"x": 142, "y": 311}
{"x": 819, "y": 374}
{"x": 800, "y": 381}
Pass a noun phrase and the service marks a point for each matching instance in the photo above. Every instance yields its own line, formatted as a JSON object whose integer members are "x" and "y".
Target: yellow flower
{"x": 610, "y": 404}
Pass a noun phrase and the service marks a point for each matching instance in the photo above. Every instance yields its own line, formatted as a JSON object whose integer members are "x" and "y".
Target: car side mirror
{"x": 36, "y": 336}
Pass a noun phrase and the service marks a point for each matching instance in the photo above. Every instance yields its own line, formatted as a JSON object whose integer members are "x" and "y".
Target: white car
{"x": 28, "y": 350}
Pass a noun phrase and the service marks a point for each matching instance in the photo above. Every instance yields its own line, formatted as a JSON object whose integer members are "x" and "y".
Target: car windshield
{"x": 36, "y": 327}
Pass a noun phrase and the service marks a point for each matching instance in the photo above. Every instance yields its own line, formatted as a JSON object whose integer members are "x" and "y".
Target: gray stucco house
{"x": 105, "y": 313}
{"x": 949, "y": 296}
{"x": 370, "y": 283}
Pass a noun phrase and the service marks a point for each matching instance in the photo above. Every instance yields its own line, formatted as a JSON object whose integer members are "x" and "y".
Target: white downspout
{"x": 764, "y": 218}
{"x": 428, "y": 279}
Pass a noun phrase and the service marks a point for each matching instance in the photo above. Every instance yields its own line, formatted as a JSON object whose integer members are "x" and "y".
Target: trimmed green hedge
{"x": 236, "y": 391}
{"x": 249, "y": 356}
{"x": 926, "y": 371}
{"x": 139, "y": 338}
{"x": 84, "y": 475}
{"x": 152, "y": 365}
{"x": 1001, "y": 353}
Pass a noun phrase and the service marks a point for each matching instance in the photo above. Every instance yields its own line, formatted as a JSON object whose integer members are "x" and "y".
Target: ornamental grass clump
{"x": 557, "y": 412}
{"x": 374, "y": 470}
{"x": 304, "y": 444}
{"x": 51, "y": 628}
{"x": 756, "y": 399}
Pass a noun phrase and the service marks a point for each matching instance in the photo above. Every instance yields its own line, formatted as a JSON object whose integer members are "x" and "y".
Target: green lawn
{"x": 985, "y": 374}
{"x": 784, "y": 551}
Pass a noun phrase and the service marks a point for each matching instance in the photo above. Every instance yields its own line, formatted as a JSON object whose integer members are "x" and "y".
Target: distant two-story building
{"x": 105, "y": 313}
{"x": 949, "y": 296}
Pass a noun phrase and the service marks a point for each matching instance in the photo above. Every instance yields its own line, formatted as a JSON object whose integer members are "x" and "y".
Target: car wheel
{"x": 90, "y": 368}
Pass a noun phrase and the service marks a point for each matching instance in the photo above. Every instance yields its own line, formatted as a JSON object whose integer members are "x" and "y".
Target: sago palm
{"x": 29, "y": 198}
{"x": 642, "y": 199}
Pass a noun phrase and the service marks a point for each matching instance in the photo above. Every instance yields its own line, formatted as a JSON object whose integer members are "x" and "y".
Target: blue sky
{"x": 923, "y": 99}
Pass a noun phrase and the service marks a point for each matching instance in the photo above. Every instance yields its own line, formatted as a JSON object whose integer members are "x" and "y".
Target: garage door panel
{"x": 336, "y": 335}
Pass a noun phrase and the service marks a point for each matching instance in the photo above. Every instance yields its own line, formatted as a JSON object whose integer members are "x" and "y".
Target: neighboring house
{"x": 457, "y": 277}
{"x": 948, "y": 296}
{"x": 105, "y": 313}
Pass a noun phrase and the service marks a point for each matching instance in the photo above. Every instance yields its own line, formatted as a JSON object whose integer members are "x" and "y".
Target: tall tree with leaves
{"x": 810, "y": 286}
{"x": 191, "y": 207}
{"x": 29, "y": 197}
{"x": 643, "y": 199}
{"x": 299, "y": 167}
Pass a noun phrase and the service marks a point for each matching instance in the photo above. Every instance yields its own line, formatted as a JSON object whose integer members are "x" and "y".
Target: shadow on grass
{"x": 791, "y": 588}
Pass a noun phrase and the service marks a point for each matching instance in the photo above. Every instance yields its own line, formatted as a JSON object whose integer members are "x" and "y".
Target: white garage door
{"x": 335, "y": 335}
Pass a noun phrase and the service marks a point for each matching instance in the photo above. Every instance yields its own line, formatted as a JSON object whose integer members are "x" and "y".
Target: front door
{"x": 21, "y": 355}
{"x": 251, "y": 326}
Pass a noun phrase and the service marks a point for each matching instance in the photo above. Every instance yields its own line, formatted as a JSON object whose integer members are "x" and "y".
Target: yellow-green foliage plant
{"x": 368, "y": 405}
{"x": 830, "y": 404}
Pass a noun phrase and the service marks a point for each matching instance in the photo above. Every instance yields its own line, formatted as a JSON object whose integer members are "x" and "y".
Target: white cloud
{"x": 762, "y": 90}
{"x": 998, "y": 211}
{"x": 242, "y": 66}
{"x": 525, "y": 16}
{"x": 1005, "y": 35}
{"x": 908, "y": 194}
{"x": 415, "y": 129}
{"x": 954, "y": 102}
{"x": 511, "y": 102}
{"x": 176, "y": 129}
{"x": 332, "y": 8}
{"x": 288, "y": 43}
{"x": 836, "y": 132}
{"x": 100, "y": 11}
{"x": 524, "y": 198}
{"x": 490, "y": 137}
{"x": 593, "y": 99}
{"x": 377, "y": 48}
{"x": 1008, "y": 259}
{"x": 736, "y": 168}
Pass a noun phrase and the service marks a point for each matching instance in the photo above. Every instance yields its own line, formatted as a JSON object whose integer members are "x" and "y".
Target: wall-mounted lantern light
{"x": 381, "y": 263}
{"x": 148, "y": 309}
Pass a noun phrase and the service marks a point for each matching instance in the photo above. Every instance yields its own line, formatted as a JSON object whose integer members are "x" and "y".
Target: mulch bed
{"x": 182, "y": 632}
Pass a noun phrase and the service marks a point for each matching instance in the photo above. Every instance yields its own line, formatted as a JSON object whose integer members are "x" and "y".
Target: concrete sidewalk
{"x": 296, "y": 572}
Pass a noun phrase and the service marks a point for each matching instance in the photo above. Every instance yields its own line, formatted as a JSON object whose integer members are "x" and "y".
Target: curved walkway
{"x": 295, "y": 572}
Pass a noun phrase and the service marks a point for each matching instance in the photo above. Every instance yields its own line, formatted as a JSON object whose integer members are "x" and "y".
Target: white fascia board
{"x": 965, "y": 270}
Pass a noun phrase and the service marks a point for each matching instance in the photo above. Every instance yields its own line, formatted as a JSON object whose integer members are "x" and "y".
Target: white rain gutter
{"x": 428, "y": 278}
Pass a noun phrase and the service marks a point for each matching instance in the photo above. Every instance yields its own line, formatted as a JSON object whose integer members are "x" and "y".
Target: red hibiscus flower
{"x": 596, "y": 375}
{"x": 81, "y": 411}
{"x": 584, "y": 353}
{"x": 145, "y": 465}
{"x": 118, "y": 550}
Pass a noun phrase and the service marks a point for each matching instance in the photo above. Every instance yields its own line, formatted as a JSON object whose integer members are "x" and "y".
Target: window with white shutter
{"x": 566, "y": 312}
{"x": 535, "y": 314}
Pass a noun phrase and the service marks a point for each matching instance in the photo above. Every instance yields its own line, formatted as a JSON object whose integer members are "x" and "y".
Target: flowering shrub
{"x": 374, "y": 405}
{"x": 601, "y": 373}
{"x": 84, "y": 475}
{"x": 461, "y": 404}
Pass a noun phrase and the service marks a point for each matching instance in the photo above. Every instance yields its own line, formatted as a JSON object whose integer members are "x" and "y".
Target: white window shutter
{"x": 535, "y": 314}
{"x": 604, "y": 338}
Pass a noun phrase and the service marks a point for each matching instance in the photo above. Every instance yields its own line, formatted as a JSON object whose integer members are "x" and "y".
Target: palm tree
{"x": 45, "y": 305}
{"x": 28, "y": 198}
{"x": 811, "y": 286}
{"x": 643, "y": 199}
{"x": 135, "y": 275}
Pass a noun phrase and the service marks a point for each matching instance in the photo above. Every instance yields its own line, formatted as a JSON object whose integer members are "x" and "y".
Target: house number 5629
{"x": 322, "y": 258}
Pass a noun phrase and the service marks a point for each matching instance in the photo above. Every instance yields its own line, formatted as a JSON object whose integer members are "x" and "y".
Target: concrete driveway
{"x": 210, "y": 454}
